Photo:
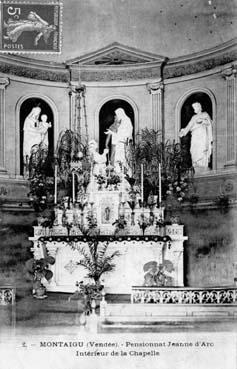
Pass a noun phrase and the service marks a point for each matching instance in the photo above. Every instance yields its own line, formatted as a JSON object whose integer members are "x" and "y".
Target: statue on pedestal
{"x": 99, "y": 160}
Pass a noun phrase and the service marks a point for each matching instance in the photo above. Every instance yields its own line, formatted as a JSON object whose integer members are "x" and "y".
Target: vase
{"x": 40, "y": 292}
{"x": 82, "y": 319}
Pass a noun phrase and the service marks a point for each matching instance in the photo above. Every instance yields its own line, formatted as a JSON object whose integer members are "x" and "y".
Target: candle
{"x": 55, "y": 183}
{"x": 73, "y": 187}
{"x": 79, "y": 74}
{"x": 159, "y": 184}
{"x": 142, "y": 185}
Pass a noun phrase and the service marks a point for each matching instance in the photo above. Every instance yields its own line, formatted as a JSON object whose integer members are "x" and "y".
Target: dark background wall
{"x": 210, "y": 252}
{"x": 15, "y": 228}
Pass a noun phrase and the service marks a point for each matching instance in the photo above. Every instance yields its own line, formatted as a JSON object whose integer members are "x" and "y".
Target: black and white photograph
{"x": 118, "y": 184}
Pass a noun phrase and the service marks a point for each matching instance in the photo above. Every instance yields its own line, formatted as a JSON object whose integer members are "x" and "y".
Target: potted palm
{"x": 96, "y": 260}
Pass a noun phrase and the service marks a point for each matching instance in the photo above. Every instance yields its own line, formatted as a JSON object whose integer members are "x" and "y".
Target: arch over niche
{"x": 184, "y": 113}
{"x": 105, "y": 115}
{"x": 23, "y": 108}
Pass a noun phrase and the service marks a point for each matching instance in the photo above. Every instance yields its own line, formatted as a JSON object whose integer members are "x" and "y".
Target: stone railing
{"x": 184, "y": 295}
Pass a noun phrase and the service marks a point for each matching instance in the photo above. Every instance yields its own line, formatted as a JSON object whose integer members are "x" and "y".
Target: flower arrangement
{"x": 89, "y": 292}
{"x": 120, "y": 224}
{"x": 41, "y": 191}
{"x": 100, "y": 180}
{"x": 143, "y": 222}
{"x": 177, "y": 187}
{"x": 92, "y": 229}
{"x": 113, "y": 179}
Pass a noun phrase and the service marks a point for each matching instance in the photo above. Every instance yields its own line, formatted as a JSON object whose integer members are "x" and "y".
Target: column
{"x": 156, "y": 91}
{"x": 4, "y": 82}
{"x": 231, "y": 145}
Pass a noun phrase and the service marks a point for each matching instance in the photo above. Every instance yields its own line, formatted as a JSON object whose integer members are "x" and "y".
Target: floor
{"x": 60, "y": 313}
{"x": 48, "y": 334}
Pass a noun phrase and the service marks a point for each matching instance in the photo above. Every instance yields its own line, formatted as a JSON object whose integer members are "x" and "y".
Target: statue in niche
{"x": 120, "y": 134}
{"x": 99, "y": 160}
{"x": 43, "y": 127}
{"x": 35, "y": 131}
{"x": 161, "y": 275}
{"x": 200, "y": 127}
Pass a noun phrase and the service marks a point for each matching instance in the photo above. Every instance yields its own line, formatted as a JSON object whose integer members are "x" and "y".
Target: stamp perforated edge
{"x": 32, "y": 52}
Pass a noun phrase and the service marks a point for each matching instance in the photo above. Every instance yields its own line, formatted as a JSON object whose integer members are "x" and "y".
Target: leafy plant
{"x": 70, "y": 147}
{"x": 40, "y": 178}
{"x": 150, "y": 151}
{"x": 95, "y": 259}
{"x": 39, "y": 269}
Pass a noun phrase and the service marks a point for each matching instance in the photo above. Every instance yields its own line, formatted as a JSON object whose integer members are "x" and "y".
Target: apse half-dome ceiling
{"x": 171, "y": 28}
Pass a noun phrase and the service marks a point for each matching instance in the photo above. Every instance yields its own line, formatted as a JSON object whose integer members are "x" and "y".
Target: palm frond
{"x": 95, "y": 260}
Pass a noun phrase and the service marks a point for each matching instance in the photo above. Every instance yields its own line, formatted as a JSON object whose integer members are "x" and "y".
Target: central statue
{"x": 120, "y": 133}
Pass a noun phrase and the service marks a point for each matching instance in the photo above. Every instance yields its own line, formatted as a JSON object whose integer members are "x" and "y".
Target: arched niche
{"x": 24, "y": 109}
{"x": 184, "y": 112}
{"x": 106, "y": 117}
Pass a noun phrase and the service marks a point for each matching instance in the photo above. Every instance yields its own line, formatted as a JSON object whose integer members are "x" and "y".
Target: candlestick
{"x": 55, "y": 183}
{"x": 159, "y": 184}
{"x": 73, "y": 187}
{"x": 142, "y": 185}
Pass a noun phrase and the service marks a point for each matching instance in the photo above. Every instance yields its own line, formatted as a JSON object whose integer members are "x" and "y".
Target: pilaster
{"x": 4, "y": 82}
{"x": 156, "y": 89}
{"x": 231, "y": 145}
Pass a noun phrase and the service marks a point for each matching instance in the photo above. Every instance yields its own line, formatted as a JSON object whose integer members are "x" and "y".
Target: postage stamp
{"x": 30, "y": 27}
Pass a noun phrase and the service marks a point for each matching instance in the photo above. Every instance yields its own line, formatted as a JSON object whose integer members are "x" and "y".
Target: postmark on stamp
{"x": 28, "y": 27}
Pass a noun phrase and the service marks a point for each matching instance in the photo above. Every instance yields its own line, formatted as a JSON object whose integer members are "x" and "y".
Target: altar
{"x": 108, "y": 231}
{"x": 135, "y": 252}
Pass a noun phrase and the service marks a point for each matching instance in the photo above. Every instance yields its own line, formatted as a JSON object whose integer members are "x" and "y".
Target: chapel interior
{"x": 154, "y": 59}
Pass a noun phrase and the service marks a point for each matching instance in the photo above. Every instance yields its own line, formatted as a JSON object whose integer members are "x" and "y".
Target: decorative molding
{"x": 179, "y": 69}
{"x": 116, "y": 57}
{"x": 34, "y": 73}
{"x": 157, "y": 295}
{"x": 102, "y": 238}
{"x": 4, "y": 82}
{"x": 120, "y": 74}
{"x": 155, "y": 88}
{"x": 229, "y": 73}
{"x": 114, "y": 53}
{"x": 71, "y": 266}
{"x": 140, "y": 65}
